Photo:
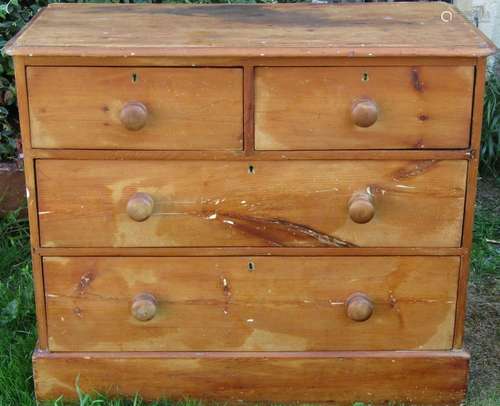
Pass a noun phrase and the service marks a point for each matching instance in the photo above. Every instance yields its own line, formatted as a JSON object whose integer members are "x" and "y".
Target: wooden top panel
{"x": 270, "y": 30}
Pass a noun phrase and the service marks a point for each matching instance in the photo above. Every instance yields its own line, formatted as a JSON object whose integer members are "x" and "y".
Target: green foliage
{"x": 13, "y": 15}
{"x": 490, "y": 140}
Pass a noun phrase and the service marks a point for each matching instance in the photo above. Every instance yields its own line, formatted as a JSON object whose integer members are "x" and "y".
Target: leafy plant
{"x": 490, "y": 140}
{"x": 14, "y": 14}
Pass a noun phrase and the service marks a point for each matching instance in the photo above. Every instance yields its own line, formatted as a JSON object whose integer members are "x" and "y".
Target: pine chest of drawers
{"x": 258, "y": 203}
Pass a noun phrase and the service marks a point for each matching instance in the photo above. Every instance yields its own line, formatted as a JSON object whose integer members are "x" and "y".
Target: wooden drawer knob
{"x": 134, "y": 115}
{"x": 364, "y": 113}
{"x": 361, "y": 207}
{"x": 144, "y": 307}
{"x": 359, "y": 307}
{"x": 140, "y": 206}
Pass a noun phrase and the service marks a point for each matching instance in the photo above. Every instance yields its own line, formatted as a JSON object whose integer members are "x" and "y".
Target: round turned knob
{"x": 361, "y": 207}
{"x": 364, "y": 113}
{"x": 144, "y": 307}
{"x": 134, "y": 115}
{"x": 140, "y": 206}
{"x": 359, "y": 307}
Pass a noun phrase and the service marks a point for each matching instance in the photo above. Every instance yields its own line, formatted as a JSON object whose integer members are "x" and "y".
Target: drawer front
{"x": 363, "y": 107}
{"x": 136, "y": 108}
{"x": 277, "y": 304}
{"x": 268, "y": 203}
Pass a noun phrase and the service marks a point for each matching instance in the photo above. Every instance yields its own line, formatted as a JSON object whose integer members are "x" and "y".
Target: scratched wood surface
{"x": 259, "y": 304}
{"x": 265, "y": 203}
{"x": 252, "y": 30}
{"x": 404, "y": 377}
{"x": 187, "y": 108}
{"x": 310, "y": 108}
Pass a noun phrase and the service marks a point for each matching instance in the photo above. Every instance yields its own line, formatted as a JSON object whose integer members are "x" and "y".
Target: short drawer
{"x": 275, "y": 304}
{"x": 136, "y": 108}
{"x": 264, "y": 203}
{"x": 363, "y": 107}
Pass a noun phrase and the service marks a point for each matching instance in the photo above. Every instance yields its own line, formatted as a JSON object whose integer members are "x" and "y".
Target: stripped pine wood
{"x": 256, "y": 304}
{"x": 31, "y": 199}
{"x": 267, "y": 203}
{"x": 222, "y": 198}
{"x": 427, "y": 378}
{"x": 472, "y": 175}
{"x": 185, "y": 108}
{"x": 412, "y": 155}
{"x": 374, "y": 30}
{"x": 310, "y": 108}
{"x": 245, "y": 251}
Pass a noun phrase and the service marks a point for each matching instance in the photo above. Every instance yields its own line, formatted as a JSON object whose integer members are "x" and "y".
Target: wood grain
{"x": 251, "y": 30}
{"x": 287, "y": 204}
{"x": 404, "y": 155}
{"x": 470, "y": 203}
{"x": 247, "y": 251}
{"x": 419, "y": 107}
{"x": 30, "y": 180}
{"x": 260, "y": 260}
{"x": 210, "y": 61}
{"x": 188, "y": 108}
{"x": 403, "y": 377}
{"x": 258, "y": 304}
{"x": 248, "y": 109}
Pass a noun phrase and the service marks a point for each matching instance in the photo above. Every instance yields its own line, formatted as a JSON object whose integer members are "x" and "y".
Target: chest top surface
{"x": 274, "y": 30}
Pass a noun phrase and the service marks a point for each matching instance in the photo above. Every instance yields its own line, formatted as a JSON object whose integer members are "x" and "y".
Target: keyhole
{"x": 251, "y": 267}
{"x": 134, "y": 77}
{"x": 364, "y": 78}
{"x": 251, "y": 169}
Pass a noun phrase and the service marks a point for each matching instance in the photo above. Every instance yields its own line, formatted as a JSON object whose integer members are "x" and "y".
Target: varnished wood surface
{"x": 306, "y": 108}
{"x": 266, "y": 203}
{"x": 412, "y": 29}
{"x": 259, "y": 304}
{"x": 372, "y": 377}
{"x": 187, "y": 108}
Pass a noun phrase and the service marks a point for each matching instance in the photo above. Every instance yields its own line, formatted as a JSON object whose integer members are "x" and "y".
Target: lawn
{"x": 17, "y": 317}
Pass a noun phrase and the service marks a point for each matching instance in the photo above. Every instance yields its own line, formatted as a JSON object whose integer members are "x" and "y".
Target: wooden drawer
{"x": 103, "y": 108}
{"x": 316, "y": 108}
{"x": 277, "y": 304}
{"x": 268, "y": 203}
{"x": 294, "y": 203}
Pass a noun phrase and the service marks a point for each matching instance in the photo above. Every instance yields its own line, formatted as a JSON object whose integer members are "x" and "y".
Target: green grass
{"x": 17, "y": 318}
{"x": 486, "y": 244}
{"x": 482, "y": 326}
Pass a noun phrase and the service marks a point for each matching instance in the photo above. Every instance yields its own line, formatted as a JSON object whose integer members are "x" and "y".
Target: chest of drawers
{"x": 251, "y": 203}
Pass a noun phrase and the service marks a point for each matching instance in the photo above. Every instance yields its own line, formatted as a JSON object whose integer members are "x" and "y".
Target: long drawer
{"x": 265, "y": 203}
{"x": 242, "y": 304}
{"x": 136, "y": 108}
{"x": 363, "y": 107}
